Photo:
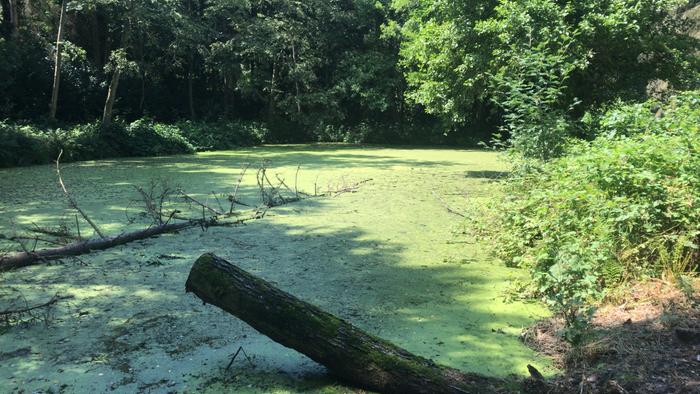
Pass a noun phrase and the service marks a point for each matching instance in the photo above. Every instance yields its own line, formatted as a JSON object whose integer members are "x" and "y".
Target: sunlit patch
{"x": 384, "y": 258}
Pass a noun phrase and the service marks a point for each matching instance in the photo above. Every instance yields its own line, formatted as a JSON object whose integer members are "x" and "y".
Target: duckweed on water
{"x": 384, "y": 258}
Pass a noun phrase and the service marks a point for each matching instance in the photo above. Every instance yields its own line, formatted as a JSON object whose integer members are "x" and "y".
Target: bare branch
{"x": 72, "y": 201}
{"x": 52, "y": 301}
{"x": 233, "y": 198}
{"x": 447, "y": 207}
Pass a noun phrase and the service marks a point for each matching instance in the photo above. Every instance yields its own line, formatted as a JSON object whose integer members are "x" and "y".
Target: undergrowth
{"x": 622, "y": 207}
{"x": 25, "y": 144}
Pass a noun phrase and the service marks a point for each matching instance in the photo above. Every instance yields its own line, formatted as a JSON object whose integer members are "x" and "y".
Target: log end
{"x": 198, "y": 269}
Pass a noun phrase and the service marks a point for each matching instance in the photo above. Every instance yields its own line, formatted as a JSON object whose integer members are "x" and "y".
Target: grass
{"x": 384, "y": 258}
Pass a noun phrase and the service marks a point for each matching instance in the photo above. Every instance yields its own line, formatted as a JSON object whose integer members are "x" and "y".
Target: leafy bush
{"x": 154, "y": 139}
{"x": 531, "y": 90}
{"x": 223, "y": 135}
{"x": 26, "y": 145}
{"x": 679, "y": 112}
{"x": 23, "y": 145}
{"x": 610, "y": 209}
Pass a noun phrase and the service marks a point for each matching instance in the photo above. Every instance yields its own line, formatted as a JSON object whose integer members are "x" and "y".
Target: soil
{"x": 646, "y": 342}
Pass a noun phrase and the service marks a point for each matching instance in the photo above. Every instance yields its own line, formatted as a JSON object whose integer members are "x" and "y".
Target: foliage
{"x": 295, "y": 66}
{"x": 23, "y": 145}
{"x": 530, "y": 91}
{"x": 542, "y": 61}
{"x": 610, "y": 210}
{"x": 223, "y": 135}
{"x": 27, "y": 144}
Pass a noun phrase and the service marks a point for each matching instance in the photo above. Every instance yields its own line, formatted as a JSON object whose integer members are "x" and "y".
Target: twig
{"x": 240, "y": 349}
{"x": 447, "y": 207}
{"x": 296, "y": 179}
{"x": 234, "y": 196}
{"x": 345, "y": 188}
{"x": 201, "y": 204}
{"x": 77, "y": 227}
{"x": 52, "y": 301}
{"x": 221, "y": 208}
{"x": 72, "y": 202}
{"x": 296, "y": 194}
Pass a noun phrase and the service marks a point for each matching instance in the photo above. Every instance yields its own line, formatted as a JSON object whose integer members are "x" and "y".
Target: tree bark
{"x": 350, "y": 353}
{"x": 10, "y": 17}
{"x": 111, "y": 96}
{"x": 6, "y": 17}
{"x": 28, "y": 258}
{"x": 57, "y": 65}
{"x": 190, "y": 86}
{"x": 14, "y": 18}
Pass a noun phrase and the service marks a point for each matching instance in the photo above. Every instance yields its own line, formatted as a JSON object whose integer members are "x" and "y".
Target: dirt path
{"x": 384, "y": 258}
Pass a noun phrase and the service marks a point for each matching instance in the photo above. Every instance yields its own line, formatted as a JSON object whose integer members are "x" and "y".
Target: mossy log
{"x": 351, "y": 354}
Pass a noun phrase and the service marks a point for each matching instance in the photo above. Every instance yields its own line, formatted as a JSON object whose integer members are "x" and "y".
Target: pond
{"x": 384, "y": 258}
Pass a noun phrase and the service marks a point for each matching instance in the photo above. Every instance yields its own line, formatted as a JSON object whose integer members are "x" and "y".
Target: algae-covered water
{"x": 384, "y": 258}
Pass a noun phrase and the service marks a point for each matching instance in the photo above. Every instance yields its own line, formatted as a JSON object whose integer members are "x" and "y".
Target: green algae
{"x": 383, "y": 258}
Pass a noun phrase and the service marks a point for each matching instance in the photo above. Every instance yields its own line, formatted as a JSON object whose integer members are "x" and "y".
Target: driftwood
{"x": 154, "y": 206}
{"x": 353, "y": 355}
{"x": 28, "y": 258}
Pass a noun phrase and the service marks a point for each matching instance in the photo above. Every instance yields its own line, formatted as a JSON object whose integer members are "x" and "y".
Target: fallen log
{"x": 351, "y": 354}
{"x": 27, "y": 258}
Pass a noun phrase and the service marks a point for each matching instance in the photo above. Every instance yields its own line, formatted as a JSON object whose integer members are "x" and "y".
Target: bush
{"x": 23, "y": 145}
{"x": 26, "y": 145}
{"x": 609, "y": 210}
{"x": 679, "y": 112}
{"x": 223, "y": 135}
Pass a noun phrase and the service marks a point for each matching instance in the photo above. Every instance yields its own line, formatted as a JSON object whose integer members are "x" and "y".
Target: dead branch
{"x": 27, "y": 258}
{"x": 71, "y": 200}
{"x": 10, "y": 317}
{"x": 233, "y": 198}
{"x": 154, "y": 200}
{"x": 61, "y": 231}
{"x": 271, "y": 196}
{"x": 447, "y": 207}
{"x": 52, "y": 301}
{"x": 206, "y": 206}
{"x": 334, "y": 191}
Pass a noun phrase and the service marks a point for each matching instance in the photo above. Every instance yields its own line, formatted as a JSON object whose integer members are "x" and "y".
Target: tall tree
{"x": 57, "y": 64}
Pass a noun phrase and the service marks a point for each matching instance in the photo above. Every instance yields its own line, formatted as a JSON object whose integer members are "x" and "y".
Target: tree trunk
{"x": 6, "y": 17}
{"x": 95, "y": 39}
{"x": 111, "y": 96}
{"x": 353, "y": 355}
{"x": 14, "y": 17}
{"x": 57, "y": 65}
{"x": 296, "y": 82}
{"x": 190, "y": 86}
{"x": 10, "y": 17}
{"x": 25, "y": 259}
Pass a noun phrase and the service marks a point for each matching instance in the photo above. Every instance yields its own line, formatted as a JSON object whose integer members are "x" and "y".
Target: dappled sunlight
{"x": 381, "y": 258}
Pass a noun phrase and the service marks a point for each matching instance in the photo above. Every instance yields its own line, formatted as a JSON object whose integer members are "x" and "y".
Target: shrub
{"x": 223, "y": 135}
{"x": 26, "y": 145}
{"x": 146, "y": 138}
{"x": 23, "y": 145}
{"x": 610, "y": 209}
{"x": 680, "y": 112}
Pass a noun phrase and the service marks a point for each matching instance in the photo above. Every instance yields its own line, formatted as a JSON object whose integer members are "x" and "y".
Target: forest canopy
{"x": 399, "y": 71}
